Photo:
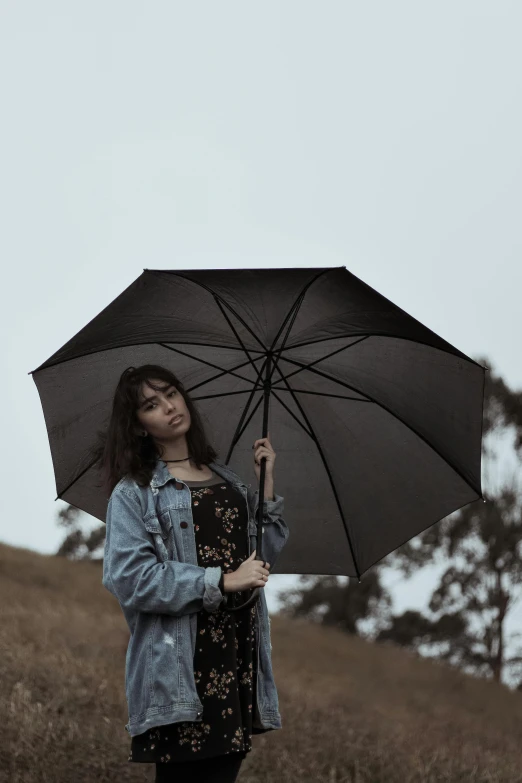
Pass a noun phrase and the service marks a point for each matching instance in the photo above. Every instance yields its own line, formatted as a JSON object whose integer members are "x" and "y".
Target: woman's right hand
{"x": 250, "y": 574}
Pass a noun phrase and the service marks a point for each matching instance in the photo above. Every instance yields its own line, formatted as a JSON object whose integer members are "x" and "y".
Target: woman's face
{"x": 158, "y": 407}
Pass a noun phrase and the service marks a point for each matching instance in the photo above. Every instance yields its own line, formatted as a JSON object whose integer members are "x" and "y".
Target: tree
{"x": 482, "y": 544}
{"x": 502, "y": 407}
{"x": 337, "y": 601}
{"x": 78, "y": 545}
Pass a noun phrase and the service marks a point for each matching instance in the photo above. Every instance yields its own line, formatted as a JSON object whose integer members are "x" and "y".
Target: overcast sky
{"x": 381, "y": 136}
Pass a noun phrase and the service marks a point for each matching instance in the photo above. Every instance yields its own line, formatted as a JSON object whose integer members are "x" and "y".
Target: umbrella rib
{"x": 325, "y": 463}
{"x": 310, "y": 435}
{"x": 209, "y": 345}
{"x": 77, "y": 478}
{"x": 217, "y": 298}
{"x": 238, "y": 338}
{"x": 223, "y": 394}
{"x": 240, "y": 430}
{"x": 327, "y": 356}
{"x": 216, "y": 366}
{"x": 90, "y": 465}
{"x": 293, "y": 311}
{"x": 248, "y": 380}
{"x": 454, "y": 352}
{"x": 297, "y": 304}
{"x": 309, "y": 432}
{"x": 278, "y": 388}
{"x": 296, "y": 307}
{"x": 320, "y": 394}
{"x": 395, "y": 415}
{"x": 222, "y": 303}
{"x": 45, "y": 365}
{"x": 230, "y": 371}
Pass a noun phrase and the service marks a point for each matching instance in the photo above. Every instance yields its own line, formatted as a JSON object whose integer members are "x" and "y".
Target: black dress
{"x": 225, "y": 659}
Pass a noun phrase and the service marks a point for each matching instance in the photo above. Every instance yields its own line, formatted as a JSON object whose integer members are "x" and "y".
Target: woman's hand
{"x": 263, "y": 448}
{"x": 250, "y": 574}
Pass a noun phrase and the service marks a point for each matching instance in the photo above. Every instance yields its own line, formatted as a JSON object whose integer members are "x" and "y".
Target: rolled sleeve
{"x": 133, "y": 574}
{"x": 275, "y": 529}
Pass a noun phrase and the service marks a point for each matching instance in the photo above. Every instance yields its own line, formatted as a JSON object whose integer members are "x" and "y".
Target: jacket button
{"x": 183, "y": 524}
{"x": 179, "y": 485}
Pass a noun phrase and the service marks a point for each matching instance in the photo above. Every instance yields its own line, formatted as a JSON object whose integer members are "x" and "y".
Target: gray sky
{"x": 380, "y": 136}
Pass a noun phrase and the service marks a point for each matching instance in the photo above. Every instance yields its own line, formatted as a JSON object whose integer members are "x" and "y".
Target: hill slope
{"x": 351, "y": 710}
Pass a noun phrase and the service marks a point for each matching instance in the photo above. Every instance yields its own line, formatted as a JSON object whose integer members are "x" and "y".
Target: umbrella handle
{"x": 256, "y": 590}
{"x": 253, "y": 598}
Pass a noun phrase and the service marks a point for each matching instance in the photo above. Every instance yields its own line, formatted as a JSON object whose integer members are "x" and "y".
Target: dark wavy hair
{"x": 120, "y": 451}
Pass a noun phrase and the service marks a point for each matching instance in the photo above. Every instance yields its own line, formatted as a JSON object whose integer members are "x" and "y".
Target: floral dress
{"x": 225, "y": 655}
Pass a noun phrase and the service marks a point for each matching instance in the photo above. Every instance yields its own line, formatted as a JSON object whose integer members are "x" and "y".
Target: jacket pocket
{"x": 167, "y": 521}
{"x": 160, "y": 538}
{"x": 165, "y": 525}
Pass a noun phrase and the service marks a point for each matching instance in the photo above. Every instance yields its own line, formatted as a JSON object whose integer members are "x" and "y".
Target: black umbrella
{"x": 376, "y": 421}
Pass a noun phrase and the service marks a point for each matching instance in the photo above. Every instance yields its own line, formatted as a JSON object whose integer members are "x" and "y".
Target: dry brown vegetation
{"x": 352, "y": 711}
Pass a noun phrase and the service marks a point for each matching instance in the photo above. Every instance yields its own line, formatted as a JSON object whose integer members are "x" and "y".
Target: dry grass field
{"x": 353, "y": 712}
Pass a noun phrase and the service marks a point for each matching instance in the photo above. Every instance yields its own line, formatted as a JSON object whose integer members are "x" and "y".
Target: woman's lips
{"x": 176, "y": 420}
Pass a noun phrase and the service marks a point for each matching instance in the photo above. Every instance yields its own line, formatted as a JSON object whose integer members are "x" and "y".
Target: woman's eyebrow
{"x": 154, "y": 397}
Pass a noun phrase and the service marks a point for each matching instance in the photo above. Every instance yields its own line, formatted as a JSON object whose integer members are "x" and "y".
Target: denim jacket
{"x": 150, "y": 566}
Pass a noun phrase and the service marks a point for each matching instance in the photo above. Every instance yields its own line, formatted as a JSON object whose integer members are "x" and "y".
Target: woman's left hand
{"x": 263, "y": 448}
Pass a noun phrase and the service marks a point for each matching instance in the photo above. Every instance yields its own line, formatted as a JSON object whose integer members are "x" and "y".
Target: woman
{"x": 181, "y": 531}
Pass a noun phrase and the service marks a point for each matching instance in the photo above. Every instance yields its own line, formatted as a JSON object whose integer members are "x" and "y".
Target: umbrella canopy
{"x": 376, "y": 420}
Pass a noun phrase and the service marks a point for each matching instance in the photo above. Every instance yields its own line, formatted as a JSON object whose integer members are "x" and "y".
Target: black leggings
{"x": 220, "y": 769}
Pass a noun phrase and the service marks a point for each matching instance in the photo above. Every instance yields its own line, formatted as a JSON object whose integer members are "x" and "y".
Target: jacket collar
{"x": 161, "y": 474}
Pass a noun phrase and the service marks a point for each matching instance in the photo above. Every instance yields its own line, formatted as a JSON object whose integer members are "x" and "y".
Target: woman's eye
{"x": 150, "y": 407}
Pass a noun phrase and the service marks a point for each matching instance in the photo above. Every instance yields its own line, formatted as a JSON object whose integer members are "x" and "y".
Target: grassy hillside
{"x": 352, "y": 711}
